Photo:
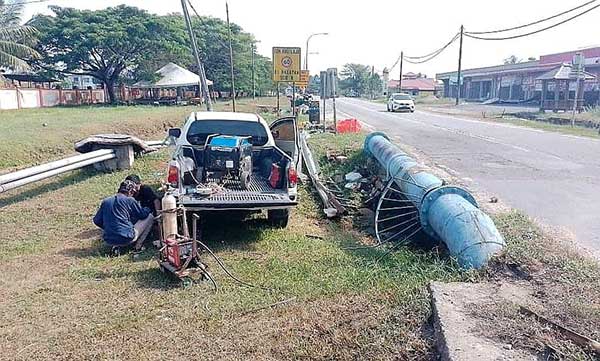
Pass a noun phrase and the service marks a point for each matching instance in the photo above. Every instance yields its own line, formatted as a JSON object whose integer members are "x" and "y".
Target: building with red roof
{"x": 415, "y": 86}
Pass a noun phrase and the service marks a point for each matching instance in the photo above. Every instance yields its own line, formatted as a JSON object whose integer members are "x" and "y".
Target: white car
{"x": 400, "y": 101}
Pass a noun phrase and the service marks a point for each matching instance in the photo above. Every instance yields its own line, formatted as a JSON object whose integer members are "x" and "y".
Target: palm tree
{"x": 15, "y": 39}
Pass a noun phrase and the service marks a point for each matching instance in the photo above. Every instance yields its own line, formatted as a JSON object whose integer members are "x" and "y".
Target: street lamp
{"x": 307, "y": 40}
{"x": 253, "y": 49}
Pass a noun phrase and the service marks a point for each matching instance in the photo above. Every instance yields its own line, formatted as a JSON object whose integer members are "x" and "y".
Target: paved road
{"x": 550, "y": 176}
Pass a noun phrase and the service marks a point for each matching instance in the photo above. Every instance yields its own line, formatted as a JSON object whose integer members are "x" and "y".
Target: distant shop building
{"x": 549, "y": 80}
{"x": 414, "y": 86}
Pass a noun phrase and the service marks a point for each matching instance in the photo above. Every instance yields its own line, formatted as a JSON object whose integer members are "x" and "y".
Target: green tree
{"x": 15, "y": 39}
{"x": 354, "y": 78}
{"x": 213, "y": 41}
{"x": 314, "y": 84}
{"x": 103, "y": 43}
{"x": 212, "y": 37}
{"x": 512, "y": 60}
{"x": 374, "y": 85}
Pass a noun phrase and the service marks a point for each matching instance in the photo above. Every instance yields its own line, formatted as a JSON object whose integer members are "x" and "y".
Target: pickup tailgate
{"x": 259, "y": 195}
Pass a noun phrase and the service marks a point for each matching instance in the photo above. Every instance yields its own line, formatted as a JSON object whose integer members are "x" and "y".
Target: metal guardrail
{"x": 37, "y": 173}
{"x": 33, "y": 174}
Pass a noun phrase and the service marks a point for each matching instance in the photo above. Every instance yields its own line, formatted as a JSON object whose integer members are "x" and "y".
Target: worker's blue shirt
{"x": 116, "y": 217}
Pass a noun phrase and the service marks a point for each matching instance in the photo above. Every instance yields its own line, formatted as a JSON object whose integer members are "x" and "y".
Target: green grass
{"x": 591, "y": 115}
{"x": 32, "y": 136}
{"x": 564, "y": 285}
{"x": 62, "y": 296}
{"x": 564, "y": 129}
{"x": 563, "y": 282}
{"x": 134, "y": 295}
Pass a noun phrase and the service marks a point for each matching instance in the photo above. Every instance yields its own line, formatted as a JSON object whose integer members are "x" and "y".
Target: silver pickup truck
{"x": 271, "y": 182}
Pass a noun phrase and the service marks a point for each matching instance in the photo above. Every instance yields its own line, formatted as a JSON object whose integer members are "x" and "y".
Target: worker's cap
{"x": 127, "y": 186}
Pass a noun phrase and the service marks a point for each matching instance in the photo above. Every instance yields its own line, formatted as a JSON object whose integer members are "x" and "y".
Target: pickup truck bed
{"x": 259, "y": 195}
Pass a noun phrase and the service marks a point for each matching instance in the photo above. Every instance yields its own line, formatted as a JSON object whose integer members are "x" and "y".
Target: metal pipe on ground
{"x": 29, "y": 172}
{"x": 447, "y": 213}
{"x": 156, "y": 143}
{"x": 56, "y": 171}
{"x": 332, "y": 207}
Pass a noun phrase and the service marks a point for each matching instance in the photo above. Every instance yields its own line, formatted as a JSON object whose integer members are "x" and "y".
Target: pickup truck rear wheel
{"x": 278, "y": 217}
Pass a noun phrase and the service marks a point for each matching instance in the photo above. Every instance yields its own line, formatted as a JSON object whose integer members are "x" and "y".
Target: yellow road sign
{"x": 304, "y": 76}
{"x": 286, "y": 64}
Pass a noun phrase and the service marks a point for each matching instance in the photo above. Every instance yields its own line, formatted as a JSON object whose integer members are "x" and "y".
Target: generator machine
{"x": 228, "y": 157}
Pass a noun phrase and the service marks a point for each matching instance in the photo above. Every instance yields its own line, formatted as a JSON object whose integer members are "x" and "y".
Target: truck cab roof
{"x": 208, "y": 123}
{"x": 246, "y": 117}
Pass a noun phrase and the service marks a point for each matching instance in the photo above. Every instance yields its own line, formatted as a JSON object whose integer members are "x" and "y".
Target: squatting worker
{"x": 145, "y": 194}
{"x": 122, "y": 218}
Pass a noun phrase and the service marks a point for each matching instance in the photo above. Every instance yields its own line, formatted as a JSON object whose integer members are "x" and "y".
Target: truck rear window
{"x": 201, "y": 129}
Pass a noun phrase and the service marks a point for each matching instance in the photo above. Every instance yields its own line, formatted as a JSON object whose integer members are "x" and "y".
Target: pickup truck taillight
{"x": 292, "y": 176}
{"x": 173, "y": 176}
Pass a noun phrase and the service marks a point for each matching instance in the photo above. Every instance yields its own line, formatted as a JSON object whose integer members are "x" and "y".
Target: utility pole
{"x": 334, "y": 91}
{"x": 400, "y": 80}
{"x": 278, "y": 104}
{"x": 462, "y": 29}
{"x": 230, "y": 58}
{"x": 203, "y": 83}
{"x": 371, "y": 82}
{"x": 253, "y": 79}
{"x": 578, "y": 61}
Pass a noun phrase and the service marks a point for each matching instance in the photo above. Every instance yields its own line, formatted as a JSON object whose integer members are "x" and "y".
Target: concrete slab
{"x": 455, "y": 329}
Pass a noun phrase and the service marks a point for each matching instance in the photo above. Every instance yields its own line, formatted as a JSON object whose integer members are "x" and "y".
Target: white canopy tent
{"x": 172, "y": 76}
{"x": 174, "y": 85}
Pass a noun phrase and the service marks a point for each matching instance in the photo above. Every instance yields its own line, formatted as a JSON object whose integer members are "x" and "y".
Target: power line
{"x": 536, "y": 31}
{"x": 427, "y": 57}
{"x": 436, "y": 52}
{"x": 25, "y": 2}
{"x": 532, "y": 23}
{"x": 396, "y": 63}
{"x": 433, "y": 55}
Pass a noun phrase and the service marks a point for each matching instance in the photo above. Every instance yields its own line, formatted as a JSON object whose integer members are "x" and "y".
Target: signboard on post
{"x": 331, "y": 88}
{"x": 286, "y": 64}
{"x": 332, "y": 92}
{"x": 304, "y": 77}
{"x": 323, "y": 84}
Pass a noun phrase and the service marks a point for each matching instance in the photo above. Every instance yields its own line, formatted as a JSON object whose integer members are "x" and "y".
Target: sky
{"x": 374, "y": 32}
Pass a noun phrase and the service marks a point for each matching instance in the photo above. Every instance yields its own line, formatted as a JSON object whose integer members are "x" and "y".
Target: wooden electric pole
{"x": 400, "y": 80}
{"x": 230, "y": 58}
{"x": 203, "y": 82}
{"x": 458, "y": 82}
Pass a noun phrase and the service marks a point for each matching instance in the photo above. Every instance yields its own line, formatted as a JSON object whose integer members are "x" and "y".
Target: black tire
{"x": 278, "y": 217}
